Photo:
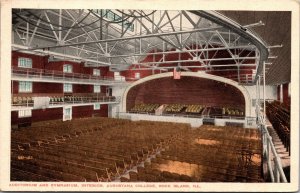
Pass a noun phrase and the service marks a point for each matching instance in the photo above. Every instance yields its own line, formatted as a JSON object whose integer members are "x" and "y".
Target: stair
{"x": 281, "y": 151}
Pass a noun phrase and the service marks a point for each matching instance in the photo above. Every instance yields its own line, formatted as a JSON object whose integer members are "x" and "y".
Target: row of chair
{"x": 194, "y": 108}
{"x": 232, "y": 111}
{"x": 281, "y": 113}
{"x": 190, "y": 109}
{"x": 174, "y": 108}
{"x": 215, "y": 162}
{"x": 103, "y": 149}
{"x": 28, "y": 101}
{"x": 280, "y": 120}
{"x": 148, "y": 108}
{"x": 21, "y": 175}
{"x": 56, "y": 99}
{"x": 72, "y": 145}
{"x": 43, "y": 171}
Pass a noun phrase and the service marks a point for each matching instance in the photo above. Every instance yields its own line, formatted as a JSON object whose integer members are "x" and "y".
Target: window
{"x": 128, "y": 25}
{"x": 67, "y": 113}
{"x": 96, "y": 72}
{"x": 24, "y": 113}
{"x": 68, "y": 68}
{"x": 117, "y": 18}
{"x": 25, "y": 62}
{"x": 97, "y": 106}
{"x": 68, "y": 87}
{"x": 137, "y": 75}
{"x": 25, "y": 86}
{"x": 97, "y": 88}
{"x": 110, "y": 15}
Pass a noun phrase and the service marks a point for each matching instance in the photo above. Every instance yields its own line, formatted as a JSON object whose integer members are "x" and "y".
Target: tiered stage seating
{"x": 219, "y": 112}
{"x": 229, "y": 111}
{"x": 279, "y": 116}
{"x": 104, "y": 149}
{"x": 194, "y": 108}
{"x": 187, "y": 90}
{"x": 144, "y": 108}
{"x": 175, "y": 108}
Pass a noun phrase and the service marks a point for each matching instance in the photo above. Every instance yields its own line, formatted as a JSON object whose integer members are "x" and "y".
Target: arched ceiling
{"x": 76, "y": 34}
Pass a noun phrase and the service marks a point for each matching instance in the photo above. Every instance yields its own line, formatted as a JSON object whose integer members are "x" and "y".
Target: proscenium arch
{"x": 193, "y": 74}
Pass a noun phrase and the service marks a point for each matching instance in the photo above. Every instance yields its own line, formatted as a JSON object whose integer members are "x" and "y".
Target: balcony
{"x": 20, "y": 102}
{"x": 53, "y": 76}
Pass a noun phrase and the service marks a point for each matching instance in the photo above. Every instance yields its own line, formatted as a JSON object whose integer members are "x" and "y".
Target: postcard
{"x": 138, "y": 95}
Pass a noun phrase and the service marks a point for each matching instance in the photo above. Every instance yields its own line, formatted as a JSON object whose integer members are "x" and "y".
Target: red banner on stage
{"x": 176, "y": 74}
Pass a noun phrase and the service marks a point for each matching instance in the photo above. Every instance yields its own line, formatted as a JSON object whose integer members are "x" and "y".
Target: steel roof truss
{"x": 51, "y": 26}
{"x": 79, "y": 24}
{"x": 74, "y": 22}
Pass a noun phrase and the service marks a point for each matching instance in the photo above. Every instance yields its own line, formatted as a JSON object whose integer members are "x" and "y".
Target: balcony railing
{"x": 64, "y": 100}
{"x": 192, "y": 116}
{"x": 274, "y": 165}
{"x": 82, "y": 100}
{"x": 58, "y": 75}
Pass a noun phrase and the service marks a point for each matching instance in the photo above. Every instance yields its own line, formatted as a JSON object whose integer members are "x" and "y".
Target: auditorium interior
{"x": 119, "y": 95}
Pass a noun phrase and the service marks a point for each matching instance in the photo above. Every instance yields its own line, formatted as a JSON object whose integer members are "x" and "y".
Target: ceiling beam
{"x": 190, "y": 61}
{"x": 200, "y": 67}
{"x": 61, "y": 55}
{"x": 182, "y": 51}
{"x": 128, "y": 38}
